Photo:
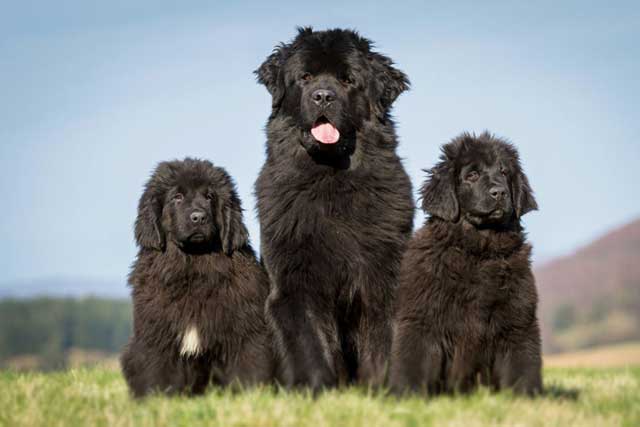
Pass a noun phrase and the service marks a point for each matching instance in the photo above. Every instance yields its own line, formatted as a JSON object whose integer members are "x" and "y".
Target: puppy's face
{"x": 329, "y": 83}
{"x": 188, "y": 216}
{"x": 478, "y": 180}
{"x": 193, "y": 205}
{"x": 484, "y": 195}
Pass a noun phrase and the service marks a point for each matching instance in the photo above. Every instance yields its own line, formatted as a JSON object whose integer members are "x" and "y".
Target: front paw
{"x": 316, "y": 381}
{"x": 322, "y": 380}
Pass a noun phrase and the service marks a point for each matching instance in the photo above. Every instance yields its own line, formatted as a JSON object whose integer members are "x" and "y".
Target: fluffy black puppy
{"x": 335, "y": 207}
{"x": 198, "y": 291}
{"x": 466, "y": 306}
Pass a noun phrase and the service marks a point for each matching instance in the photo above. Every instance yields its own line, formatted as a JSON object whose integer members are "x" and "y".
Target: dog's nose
{"x": 498, "y": 192}
{"x": 323, "y": 96}
{"x": 197, "y": 216}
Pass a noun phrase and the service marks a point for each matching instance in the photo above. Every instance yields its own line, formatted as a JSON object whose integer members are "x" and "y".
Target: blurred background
{"x": 96, "y": 94}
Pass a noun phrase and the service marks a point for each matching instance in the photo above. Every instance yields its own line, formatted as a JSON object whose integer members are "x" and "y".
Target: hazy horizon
{"x": 98, "y": 94}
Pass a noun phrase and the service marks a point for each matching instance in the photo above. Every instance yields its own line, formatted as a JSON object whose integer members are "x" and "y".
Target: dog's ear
{"x": 233, "y": 233}
{"x": 522, "y": 194}
{"x": 271, "y": 75}
{"x": 389, "y": 82}
{"x": 148, "y": 227}
{"x": 438, "y": 193}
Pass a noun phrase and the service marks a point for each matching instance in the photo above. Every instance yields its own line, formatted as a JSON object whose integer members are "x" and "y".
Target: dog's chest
{"x": 333, "y": 202}
{"x": 497, "y": 295}
{"x": 199, "y": 314}
{"x": 191, "y": 342}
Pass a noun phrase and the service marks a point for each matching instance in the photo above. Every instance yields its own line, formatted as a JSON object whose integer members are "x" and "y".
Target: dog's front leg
{"x": 305, "y": 338}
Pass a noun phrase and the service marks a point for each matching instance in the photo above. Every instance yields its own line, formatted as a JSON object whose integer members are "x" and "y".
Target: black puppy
{"x": 335, "y": 207}
{"x": 466, "y": 306}
{"x": 198, "y": 291}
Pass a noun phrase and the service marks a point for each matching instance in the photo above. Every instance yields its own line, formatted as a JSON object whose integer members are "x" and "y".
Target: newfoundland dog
{"x": 466, "y": 306}
{"x": 198, "y": 291}
{"x": 335, "y": 207}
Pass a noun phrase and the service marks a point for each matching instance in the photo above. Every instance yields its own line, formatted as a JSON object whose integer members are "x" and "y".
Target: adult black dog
{"x": 335, "y": 207}
{"x": 198, "y": 291}
{"x": 466, "y": 305}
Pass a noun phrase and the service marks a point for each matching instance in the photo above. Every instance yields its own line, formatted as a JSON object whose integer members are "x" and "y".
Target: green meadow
{"x": 98, "y": 397}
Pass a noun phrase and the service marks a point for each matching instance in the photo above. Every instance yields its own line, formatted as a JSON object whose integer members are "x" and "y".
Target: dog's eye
{"x": 178, "y": 197}
{"x": 472, "y": 176}
{"x": 503, "y": 171}
{"x": 347, "y": 79}
{"x": 306, "y": 77}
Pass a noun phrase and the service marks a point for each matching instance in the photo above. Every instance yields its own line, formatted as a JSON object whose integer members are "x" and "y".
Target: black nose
{"x": 323, "y": 96}
{"x": 197, "y": 216}
{"x": 498, "y": 192}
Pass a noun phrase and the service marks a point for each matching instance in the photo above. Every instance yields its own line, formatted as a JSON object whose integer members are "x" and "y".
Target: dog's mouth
{"x": 197, "y": 238}
{"x": 324, "y": 131}
{"x": 492, "y": 217}
{"x": 496, "y": 214}
{"x": 197, "y": 243}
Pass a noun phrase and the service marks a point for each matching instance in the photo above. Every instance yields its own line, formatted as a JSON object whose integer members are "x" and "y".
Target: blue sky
{"x": 96, "y": 94}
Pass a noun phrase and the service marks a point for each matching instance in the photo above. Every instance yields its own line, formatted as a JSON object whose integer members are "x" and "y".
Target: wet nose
{"x": 498, "y": 192}
{"x": 323, "y": 96}
{"x": 197, "y": 216}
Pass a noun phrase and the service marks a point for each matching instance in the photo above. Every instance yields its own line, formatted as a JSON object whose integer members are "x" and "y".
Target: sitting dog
{"x": 466, "y": 304}
{"x": 335, "y": 208}
{"x": 198, "y": 290}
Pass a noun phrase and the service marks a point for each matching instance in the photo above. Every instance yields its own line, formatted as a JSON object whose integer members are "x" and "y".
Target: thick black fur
{"x": 466, "y": 306}
{"x": 195, "y": 267}
{"x": 334, "y": 219}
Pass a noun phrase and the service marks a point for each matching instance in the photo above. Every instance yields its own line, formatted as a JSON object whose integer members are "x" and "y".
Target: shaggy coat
{"x": 198, "y": 291}
{"x": 334, "y": 216}
{"x": 466, "y": 306}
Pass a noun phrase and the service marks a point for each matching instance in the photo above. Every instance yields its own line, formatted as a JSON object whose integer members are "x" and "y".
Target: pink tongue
{"x": 325, "y": 133}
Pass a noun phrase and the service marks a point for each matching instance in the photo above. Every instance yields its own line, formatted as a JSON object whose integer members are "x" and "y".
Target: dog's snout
{"x": 323, "y": 96}
{"x": 198, "y": 216}
{"x": 498, "y": 192}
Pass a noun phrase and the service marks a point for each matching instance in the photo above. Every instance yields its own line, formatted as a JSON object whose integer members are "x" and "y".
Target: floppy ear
{"x": 148, "y": 227}
{"x": 522, "y": 194}
{"x": 233, "y": 233}
{"x": 389, "y": 82}
{"x": 439, "y": 194}
{"x": 270, "y": 75}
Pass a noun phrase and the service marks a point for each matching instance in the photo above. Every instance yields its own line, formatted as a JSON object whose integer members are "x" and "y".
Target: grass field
{"x": 576, "y": 397}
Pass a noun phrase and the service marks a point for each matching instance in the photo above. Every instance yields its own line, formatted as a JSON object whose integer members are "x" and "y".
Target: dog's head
{"x": 329, "y": 82}
{"x": 193, "y": 205}
{"x": 478, "y": 180}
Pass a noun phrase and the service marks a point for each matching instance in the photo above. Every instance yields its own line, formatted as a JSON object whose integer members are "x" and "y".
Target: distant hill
{"x": 64, "y": 287}
{"x": 592, "y": 297}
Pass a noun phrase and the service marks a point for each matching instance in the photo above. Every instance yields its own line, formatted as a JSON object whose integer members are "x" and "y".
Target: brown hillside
{"x": 593, "y": 296}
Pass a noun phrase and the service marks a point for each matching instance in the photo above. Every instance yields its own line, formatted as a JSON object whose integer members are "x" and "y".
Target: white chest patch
{"x": 191, "y": 345}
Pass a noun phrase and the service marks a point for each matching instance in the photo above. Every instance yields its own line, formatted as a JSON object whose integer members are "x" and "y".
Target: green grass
{"x": 576, "y": 397}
